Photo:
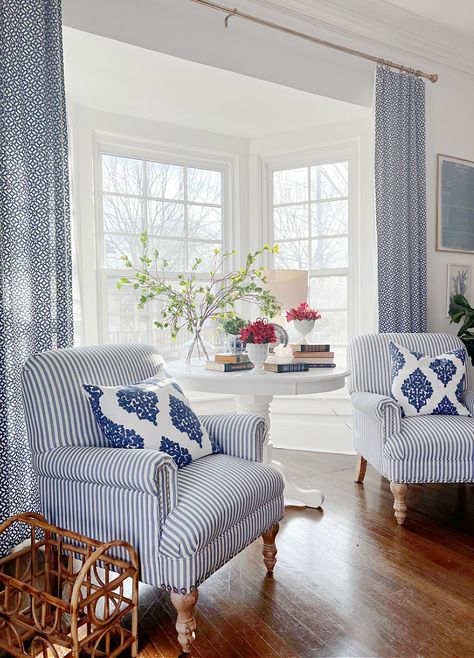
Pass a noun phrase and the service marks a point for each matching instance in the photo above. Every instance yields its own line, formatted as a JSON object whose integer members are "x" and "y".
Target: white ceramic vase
{"x": 257, "y": 353}
{"x": 304, "y": 327}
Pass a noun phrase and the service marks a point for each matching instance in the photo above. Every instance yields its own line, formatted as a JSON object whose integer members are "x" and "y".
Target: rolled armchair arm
{"x": 468, "y": 399}
{"x": 380, "y": 408}
{"x": 237, "y": 435}
{"x": 149, "y": 471}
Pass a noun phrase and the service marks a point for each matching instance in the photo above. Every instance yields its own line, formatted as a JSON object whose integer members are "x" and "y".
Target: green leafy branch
{"x": 193, "y": 301}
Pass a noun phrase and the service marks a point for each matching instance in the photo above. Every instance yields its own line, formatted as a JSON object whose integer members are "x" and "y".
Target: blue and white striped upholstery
{"x": 184, "y": 524}
{"x": 215, "y": 493}
{"x": 420, "y": 449}
{"x": 238, "y": 435}
{"x": 57, "y": 411}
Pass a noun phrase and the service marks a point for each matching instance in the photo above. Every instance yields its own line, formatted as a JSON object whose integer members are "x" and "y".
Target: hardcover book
{"x": 311, "y": 359}
{"x": 321, "y": 365}
{"x": 227, "y": 357}
{"x": 286, "y": 367}
{"x": 228, "y": 367}
{"x": 298, "y": 347}
{"x": 313, "y": 355}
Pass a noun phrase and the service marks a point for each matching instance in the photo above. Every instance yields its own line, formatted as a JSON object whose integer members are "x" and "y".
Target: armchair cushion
{"x": 217, "y": 493}
{"x": 154, "y": 414}
{"x": 435, "y": 438}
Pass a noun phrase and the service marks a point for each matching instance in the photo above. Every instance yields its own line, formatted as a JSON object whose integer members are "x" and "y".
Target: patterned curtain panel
{"x": 35, "y": 252}
{"x": 400, "y": 200}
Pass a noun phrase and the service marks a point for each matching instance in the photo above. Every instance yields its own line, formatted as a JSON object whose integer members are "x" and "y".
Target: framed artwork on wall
{"x": 455, "y": 204}
{"x": 458, "y": 283}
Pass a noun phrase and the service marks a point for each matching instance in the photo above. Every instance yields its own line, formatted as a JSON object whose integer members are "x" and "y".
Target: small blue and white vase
{"x": 236, "y": 345}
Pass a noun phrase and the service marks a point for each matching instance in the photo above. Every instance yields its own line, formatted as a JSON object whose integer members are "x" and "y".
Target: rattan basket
{"x": 67, "y": 595}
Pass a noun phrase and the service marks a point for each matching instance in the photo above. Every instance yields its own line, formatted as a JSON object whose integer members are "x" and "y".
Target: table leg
{"x": 294, "y": 495}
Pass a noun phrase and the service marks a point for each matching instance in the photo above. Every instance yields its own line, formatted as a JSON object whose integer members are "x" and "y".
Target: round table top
{"x": 246, "y": 382}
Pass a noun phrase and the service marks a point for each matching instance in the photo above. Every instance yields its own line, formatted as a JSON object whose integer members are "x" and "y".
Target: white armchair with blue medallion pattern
{"x": 428, "y": 448}
{"x": 185, "y": 523}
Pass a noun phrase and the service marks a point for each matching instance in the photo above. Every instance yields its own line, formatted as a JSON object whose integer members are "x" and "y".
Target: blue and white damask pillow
{"x": 154, "y": 414}
{"x": 428, "y": 385}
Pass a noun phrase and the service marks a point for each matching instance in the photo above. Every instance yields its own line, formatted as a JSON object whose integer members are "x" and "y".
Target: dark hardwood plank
{"x": 348, "y": 582}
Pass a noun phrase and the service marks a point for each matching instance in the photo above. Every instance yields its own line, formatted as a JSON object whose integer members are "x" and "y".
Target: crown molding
{"x": 381, "y": 28}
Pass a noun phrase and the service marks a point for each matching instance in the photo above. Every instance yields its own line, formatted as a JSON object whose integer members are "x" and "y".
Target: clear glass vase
{"x": 197, "y": 350}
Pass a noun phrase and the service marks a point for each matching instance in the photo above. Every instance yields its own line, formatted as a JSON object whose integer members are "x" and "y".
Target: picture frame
{"x": 458, "y": 282}
{"x": 455, "y": 204}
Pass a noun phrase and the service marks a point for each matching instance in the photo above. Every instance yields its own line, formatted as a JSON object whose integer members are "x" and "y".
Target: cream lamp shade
{"x": 290, "y": 287}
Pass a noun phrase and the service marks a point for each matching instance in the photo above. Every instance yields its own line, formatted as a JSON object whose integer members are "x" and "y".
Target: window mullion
{"x": 310, "y": 228}
{"x": 186, "y": 234}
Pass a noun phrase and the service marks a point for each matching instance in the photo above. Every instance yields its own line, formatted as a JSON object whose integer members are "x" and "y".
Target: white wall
{"x": 450, "y": 130}
{"x": 186, "y": 30}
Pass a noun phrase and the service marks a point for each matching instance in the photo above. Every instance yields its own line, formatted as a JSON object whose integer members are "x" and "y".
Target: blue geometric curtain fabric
{"x": 400, "y": 200}
{"x": 35, "y": 250}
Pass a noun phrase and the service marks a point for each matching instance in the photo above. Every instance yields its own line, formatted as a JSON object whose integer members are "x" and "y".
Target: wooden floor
{"x": 348, "y": 582}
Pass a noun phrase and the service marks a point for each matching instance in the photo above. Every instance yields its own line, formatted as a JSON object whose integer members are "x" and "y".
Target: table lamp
{"x": 290, "y": 287}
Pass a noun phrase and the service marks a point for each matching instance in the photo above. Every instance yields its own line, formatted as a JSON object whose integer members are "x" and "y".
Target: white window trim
{"x": 95, "y": 312}
{"x": 345, "y": 151}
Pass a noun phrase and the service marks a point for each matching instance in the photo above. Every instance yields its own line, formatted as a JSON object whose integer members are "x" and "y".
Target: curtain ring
{"x": 226, "y": 19}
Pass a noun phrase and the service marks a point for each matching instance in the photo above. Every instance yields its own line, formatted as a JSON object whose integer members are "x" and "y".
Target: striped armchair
{"x": 406, "y": 450}
{"x": 186, "y": 523}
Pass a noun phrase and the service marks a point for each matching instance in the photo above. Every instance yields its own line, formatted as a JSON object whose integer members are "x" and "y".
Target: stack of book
{"x": 315, "y": 356}
{"x": 227, "y": 362}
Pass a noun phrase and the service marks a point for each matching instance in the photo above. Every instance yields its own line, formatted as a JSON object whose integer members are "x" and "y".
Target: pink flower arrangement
{"x": 303, "y": 312}
{"x": 258, "y": 332}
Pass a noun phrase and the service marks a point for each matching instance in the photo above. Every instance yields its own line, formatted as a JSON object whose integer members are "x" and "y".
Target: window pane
{"x": 329, "y": 181}
{"x": 116, "y": 246}
{"x": 291, "y": 222}
{"x": 329, "y": 218}
{"x": 329, "y": 252}
{"x": 328, "y": 292}
{"x": 292, "y": 255}
{"x": 290, "y": 186}
{"x": 204, "y": 251}
{"x": 121, "y": 300}
{"x": 122, "y": 175}
{"x": 122, "y": 215}
{"x": 172, "y": 251}
{"x": 204, "y": 186}
{"x": 125, "y": 322}
{"x": 332, "y": 328}
{"x": 204, "y": 222}
{"x": 166, "y": 218}
{"x": 165, "y": 181}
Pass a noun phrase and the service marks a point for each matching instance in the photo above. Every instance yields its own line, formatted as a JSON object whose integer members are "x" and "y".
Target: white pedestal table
{"x": 254, "y": 394}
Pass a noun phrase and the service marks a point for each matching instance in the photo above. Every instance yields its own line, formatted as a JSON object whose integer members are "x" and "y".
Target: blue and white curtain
{"x": 35, "y": 251}
{"x": 400, "y": 200}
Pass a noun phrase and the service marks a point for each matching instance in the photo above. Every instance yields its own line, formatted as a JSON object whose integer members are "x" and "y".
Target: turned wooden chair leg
{"x": 269, "y": 549}
{"x": 399, "y": 491}
{"x": 185, "y": 624}
{"x": 360, "y": 469}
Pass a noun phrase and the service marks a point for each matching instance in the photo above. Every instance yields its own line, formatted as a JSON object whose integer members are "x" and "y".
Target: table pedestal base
{"x": 294, "y": 495}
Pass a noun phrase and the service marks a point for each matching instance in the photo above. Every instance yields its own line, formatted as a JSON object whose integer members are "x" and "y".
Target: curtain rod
{"x": 433, "y": 77}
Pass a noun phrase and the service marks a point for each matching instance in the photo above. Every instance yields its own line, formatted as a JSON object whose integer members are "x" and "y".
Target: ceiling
{"x": 113, "y": 76}
{"x": 456, "y": 14}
